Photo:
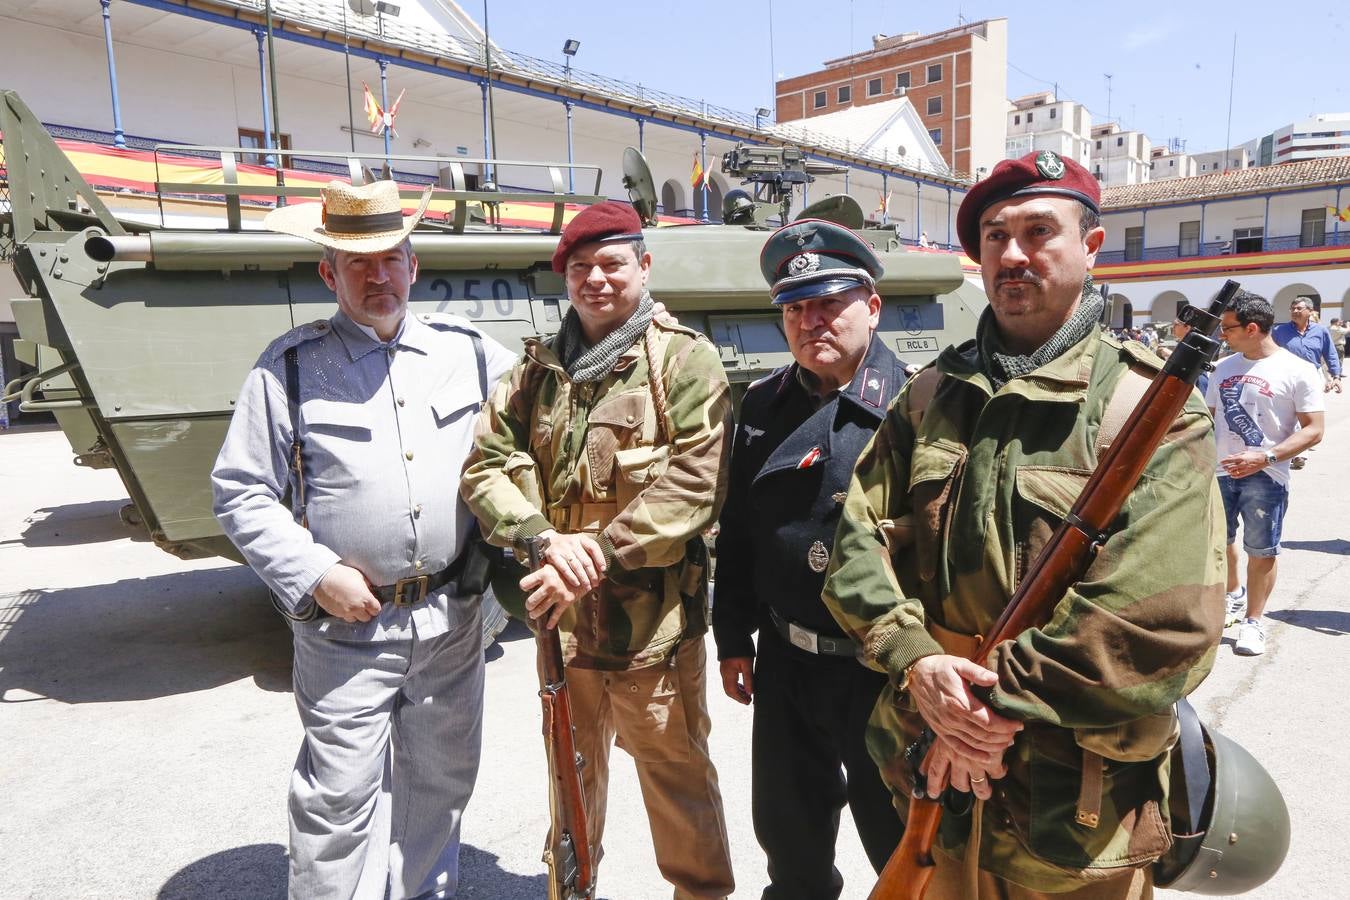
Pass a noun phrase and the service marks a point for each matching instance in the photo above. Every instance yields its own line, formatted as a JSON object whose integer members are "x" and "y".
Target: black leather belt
{"x": 412, "y": 591}
{"x": 813, "y": 641}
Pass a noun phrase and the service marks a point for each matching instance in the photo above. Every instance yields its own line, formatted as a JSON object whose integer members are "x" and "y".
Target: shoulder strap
{"x": 656, "y": 381}
{"x": 481, "y": 357}
{"x": 1129, "y": 390}
{"x": 297, "y": 455}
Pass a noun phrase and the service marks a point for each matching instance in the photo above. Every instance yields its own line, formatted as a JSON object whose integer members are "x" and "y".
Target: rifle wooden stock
{"x": 571, "y": 872}
{"x": 1067, "y": 556}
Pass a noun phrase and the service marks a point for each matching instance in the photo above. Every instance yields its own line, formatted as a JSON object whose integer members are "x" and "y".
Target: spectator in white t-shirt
{"x": 1268, "y": 407}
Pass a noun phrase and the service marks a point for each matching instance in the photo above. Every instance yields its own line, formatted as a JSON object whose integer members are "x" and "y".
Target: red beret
{"x": 1045, "y": 172}
{"x": 608, "y": 221}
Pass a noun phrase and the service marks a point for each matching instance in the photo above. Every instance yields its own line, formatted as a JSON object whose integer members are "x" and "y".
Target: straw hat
{"x": 365, "y": 219}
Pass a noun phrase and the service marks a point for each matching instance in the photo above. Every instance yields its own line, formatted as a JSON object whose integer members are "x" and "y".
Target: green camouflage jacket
{"x": 946, "y": 512}
{"x": 594, "y": 458}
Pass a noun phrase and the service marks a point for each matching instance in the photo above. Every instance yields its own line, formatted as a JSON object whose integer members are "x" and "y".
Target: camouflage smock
{"x": 594, "y": 458}
{"x": 937, "y": 530}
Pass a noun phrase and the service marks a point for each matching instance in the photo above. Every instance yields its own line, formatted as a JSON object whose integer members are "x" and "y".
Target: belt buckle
{"x": 803, "y": 637}
{"x": 410, "y": 591}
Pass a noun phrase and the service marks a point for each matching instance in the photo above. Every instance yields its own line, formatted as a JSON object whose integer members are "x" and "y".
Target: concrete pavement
{"x": 148, "y": 727}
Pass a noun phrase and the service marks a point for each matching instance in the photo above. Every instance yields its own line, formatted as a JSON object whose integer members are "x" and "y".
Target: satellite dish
{"x": 362, "y": 7}
{"x": 841, "y": 209}
{"x": 901, "y": 150}
{"x": 637, "y": 179}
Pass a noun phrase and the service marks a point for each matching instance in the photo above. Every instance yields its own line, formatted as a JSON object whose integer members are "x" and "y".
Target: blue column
{"x": 918, "y": 209}
{"x": 1336, "y": 223}
{"x": 1200, "y": 247}
{"x": 1143, "y": 235}
{"x": 846, "y": 172}
{"x": 949, "y": 218}
{"x": 1265, "y": 225}
{"x": 703, "y": 163}
{"x": 269, "y": 159}
{"x": 571, "y": 184}
{"x": 642, "y": 146}
{"x": 384, "y": 105}
{"x": 119, "y": 138}
{"x": 487, "y": 144}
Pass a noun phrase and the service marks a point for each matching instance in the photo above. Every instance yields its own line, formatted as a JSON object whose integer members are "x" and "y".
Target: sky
{"x": 1169, "y": 62}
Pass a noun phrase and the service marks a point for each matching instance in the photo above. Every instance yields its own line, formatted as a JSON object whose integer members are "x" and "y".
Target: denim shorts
{"x": 1261, "y": 502}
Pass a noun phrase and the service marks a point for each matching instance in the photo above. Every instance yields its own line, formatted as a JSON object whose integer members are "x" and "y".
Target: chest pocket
{"x": 1045, "y": 494}
{"x": 336, "y": 419}
{"x": 454, "y": 401}
{"x": 934, "y": 478}
{"x": 617, "y": 424}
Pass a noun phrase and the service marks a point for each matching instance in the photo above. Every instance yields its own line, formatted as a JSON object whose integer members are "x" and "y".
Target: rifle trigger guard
{"x": 1098, "y": 538}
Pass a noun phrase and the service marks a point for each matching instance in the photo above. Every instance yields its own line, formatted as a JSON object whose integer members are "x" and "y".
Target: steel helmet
{"x": 738, "y": 208}
{"x": 1244, "y": 823}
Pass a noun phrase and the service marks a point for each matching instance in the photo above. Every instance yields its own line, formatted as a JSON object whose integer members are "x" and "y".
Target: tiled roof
{"x": 1257, "y": 180}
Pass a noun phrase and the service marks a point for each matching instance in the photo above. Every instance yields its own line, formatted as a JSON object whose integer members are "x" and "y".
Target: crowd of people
{"x": 873, "y": 527}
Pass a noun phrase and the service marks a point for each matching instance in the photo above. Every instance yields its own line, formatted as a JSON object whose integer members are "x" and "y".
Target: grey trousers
{"x": 393, "y": 731}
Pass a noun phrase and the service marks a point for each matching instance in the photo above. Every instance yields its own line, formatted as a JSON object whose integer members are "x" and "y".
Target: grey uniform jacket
{"x": 385, "y": 430}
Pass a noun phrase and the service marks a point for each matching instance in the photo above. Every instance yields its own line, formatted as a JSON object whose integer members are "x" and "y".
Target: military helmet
{"x": 1245, "y": 836}
{"x": 738, "y": 208}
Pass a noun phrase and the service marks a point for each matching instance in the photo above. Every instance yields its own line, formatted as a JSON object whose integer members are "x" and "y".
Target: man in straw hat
{"x": 361, "y": 544}
{"x": 1061, "y": 734}
{"x": 611, "y": 441}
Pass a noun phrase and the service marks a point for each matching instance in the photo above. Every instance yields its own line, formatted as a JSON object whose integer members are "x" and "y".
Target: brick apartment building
{"x": 956, "y": 80}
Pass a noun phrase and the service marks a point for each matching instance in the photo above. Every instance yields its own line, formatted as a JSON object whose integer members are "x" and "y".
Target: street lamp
{"x": 761, "y": 113}
{"x": 570, "y": 48}
{"x": 383, "y": 9}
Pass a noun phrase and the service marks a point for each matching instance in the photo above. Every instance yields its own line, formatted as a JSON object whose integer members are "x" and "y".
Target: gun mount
{"x": 775, "y": 172}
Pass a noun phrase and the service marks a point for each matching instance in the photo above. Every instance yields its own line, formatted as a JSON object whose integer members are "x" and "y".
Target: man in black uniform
{"x": 801, "y": 430}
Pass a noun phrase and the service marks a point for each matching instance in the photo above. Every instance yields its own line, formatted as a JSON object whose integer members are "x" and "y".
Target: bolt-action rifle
{"x": 571, "y": 871}
{"x": 1064, "y": 560}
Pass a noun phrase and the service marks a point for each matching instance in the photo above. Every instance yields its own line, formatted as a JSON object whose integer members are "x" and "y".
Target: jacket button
{"x": 630, "y": 419}
{"x": 417, "y": 511}
{"x": 418, "y": 564}
{"x": 408, "y": 456}
{"x": 399, "y": 401}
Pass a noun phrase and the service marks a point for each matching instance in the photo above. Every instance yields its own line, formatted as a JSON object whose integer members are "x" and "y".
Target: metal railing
{"x": 1210, "y": 250}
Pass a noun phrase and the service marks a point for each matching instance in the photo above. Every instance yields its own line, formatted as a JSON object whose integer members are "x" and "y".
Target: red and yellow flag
{"x": 883, "y": 203}
{"x": 1342, "y": 214}
{"x": 374, "y": 115}
{"x": 698, "y": 178}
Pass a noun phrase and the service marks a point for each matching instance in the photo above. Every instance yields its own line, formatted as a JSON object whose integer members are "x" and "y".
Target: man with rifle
{"x": 611, "y": 441}
{"x": 1062, "y": 733}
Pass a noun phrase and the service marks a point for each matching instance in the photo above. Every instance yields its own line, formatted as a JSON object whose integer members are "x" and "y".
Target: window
{"x": 1313, "y": 233}
{"x": 902, "y": 80}
{"x": 1188, "y": 239}
{"x": 935, "y": 106}
{"x": 1017, "y": 120}
{"x": 1052, "y": 112}
{"x": 934, "y": 72}
{"x": 1171, "y": 163}
{"x": 1029, "y": 115}
{"x": 1248, "y": 240}
{"x": 873, "y": 87}
{"x": 1120, "y": 142}
{"x": 1134, "y": 243}
{"x": 819, "y": 101}
{"x": 1099, "y": 145}
{"x": 936, "y": 135}
{"x": 251, "y": 138}
{"x": 845, "y": 93}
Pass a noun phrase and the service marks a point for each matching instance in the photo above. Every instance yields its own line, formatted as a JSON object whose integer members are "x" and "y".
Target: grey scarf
{"x": 584, "y": 362}
{"x": 1002, "y": 367}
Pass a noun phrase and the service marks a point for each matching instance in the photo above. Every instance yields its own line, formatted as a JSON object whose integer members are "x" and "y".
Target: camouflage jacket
{"x": 595, "y": 458}
{"x": 944, "y": 515}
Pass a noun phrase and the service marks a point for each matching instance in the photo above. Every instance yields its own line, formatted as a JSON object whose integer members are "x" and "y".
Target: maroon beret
{"x": 608, "y": 221}
{"x": 1045, "y": 172}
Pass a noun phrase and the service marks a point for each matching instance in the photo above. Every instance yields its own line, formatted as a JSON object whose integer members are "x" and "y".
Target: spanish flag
{"x": 374, "y": 115}
{"x": 883, "y": 203}
{"x": 698, "y": 178}
{"x": 1342, "y": 214}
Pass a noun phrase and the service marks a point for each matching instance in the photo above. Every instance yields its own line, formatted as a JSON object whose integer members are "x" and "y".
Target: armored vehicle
{"x": 142, "y": 334}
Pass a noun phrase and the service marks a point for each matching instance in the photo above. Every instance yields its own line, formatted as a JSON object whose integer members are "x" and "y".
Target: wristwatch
{"x": 1271, "y": 458}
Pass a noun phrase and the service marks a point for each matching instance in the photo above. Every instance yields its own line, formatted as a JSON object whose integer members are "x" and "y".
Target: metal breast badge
{"x": 817, "y": 557}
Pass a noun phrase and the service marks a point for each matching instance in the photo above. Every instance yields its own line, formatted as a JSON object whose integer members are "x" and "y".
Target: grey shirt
{"x": 385, "y": 429}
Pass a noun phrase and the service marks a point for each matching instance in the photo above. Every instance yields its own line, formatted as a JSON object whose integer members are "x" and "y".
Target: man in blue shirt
{"x": 1309, "y": 340}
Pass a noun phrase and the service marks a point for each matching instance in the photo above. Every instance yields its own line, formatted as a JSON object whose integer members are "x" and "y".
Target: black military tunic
{"x": 790, "y": 467}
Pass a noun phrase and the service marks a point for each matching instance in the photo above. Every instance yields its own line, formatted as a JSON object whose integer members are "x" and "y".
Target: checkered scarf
{"x": 1002, "y": 367}
{"x": 584, "y": 362}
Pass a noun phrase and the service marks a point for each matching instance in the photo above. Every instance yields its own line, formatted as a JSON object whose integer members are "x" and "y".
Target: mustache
{"x": 1020, "y": 274}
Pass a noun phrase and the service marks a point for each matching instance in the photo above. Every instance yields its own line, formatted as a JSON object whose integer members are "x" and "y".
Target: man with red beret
{"x": 1061, "y": 734}
{"x": 611, "y": 441}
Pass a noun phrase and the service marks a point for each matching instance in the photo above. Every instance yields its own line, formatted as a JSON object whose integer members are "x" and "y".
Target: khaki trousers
{"x": 659, "y": 715}
{"x": 950, "y": 883}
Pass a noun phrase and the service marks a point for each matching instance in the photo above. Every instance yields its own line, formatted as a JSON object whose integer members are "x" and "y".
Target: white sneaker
{"x": 1251, "y": 639}
{"x": 1236, "y": 607}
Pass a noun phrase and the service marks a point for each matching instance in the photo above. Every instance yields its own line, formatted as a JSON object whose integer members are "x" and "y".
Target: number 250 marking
{"x": 503, "y": 300}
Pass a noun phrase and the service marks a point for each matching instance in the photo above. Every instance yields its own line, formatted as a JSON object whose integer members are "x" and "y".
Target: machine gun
{"x": 571, "y": 870}
{"x": 774, "y": 171}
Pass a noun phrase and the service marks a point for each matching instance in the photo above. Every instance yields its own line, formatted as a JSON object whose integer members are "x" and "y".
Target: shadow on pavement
{"x": 255, "y": 872}
{"x": 142, "y": 637}
{"x": 480, "y": 876}
{"x": 1338, "y": 547}
{"x": 1323, "y": 621}
{"x": 78, "y": 523}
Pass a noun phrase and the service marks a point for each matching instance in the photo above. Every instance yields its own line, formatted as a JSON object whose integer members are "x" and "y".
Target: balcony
{"x": 1221, "y": 248}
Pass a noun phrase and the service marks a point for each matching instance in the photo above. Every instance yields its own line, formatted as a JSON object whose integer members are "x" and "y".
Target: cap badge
{"x": 818, "y": 558}
{"x": 804, "y": 236}
{"x": 804, "y": 263}
{"x": 1050, "y": 165}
